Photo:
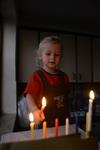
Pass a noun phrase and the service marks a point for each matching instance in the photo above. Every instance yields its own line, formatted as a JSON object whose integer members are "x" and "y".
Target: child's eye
{"x": 48, "y": 54}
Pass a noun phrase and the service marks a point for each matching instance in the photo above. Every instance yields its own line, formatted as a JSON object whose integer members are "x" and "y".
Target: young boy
{"x": 50, "y": 82}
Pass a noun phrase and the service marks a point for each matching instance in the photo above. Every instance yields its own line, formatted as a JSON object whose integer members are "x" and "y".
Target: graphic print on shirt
{"x": 59, "y": 101}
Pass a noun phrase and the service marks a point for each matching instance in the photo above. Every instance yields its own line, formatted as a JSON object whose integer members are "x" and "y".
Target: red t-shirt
{"x": 35, "y": 85}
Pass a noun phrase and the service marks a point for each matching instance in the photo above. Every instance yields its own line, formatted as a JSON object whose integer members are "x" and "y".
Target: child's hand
{"x": 38, "y": 116}
{"x": 42, "y": 115}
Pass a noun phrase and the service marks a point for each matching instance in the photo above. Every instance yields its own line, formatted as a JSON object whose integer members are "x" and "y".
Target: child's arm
{"x": 38, "y": 115}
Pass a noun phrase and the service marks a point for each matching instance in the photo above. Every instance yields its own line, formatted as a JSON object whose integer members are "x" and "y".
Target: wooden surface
{"x": 70, "y": 142}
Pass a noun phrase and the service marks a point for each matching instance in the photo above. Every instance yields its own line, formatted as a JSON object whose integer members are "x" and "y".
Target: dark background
{"x": 78, "y": 16}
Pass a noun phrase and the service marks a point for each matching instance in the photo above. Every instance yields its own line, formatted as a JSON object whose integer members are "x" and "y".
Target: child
{"x": 50, "y": 82}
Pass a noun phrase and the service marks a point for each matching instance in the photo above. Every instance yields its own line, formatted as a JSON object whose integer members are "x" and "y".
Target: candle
{"x": 67, "y": 126}
{"x": 76, "y": 121}
{"x": 31, "y": 118}
{"x": 43, "y": 103}
{"x": 92, "y": 96}
{"x": 56, "y": 126}
{"x": 44, "y": 129}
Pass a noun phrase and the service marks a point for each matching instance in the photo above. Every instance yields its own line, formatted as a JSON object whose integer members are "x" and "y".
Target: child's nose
{"x": 52, "y": 56}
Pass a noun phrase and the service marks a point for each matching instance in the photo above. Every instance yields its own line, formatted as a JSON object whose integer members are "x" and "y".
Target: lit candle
{"x": 56, "y": 126}
{"x": 44, "y": 129}
{"x": 43, "y": 103}
{"x": 31, "y": 118}
{"x": 67, "y": 126}
{"x": 92, "y": 96}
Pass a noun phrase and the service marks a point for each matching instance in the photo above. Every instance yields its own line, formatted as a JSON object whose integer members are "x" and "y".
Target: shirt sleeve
{"x": 34, "y": 87}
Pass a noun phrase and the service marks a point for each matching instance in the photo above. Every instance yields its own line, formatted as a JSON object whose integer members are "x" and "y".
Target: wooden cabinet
{"x": 68, "y": 61}
{"x": 83, "y": 59}
{"x": 45, "y": 34}
{"x": 28, "y": 44}
{"x": 76, "y": 57}
{"x": 96, "y": 59}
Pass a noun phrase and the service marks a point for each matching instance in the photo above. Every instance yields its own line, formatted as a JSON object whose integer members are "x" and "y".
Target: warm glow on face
{"x": 31, "y": 117}
{"x": 92, "y": 96}
{"x": 43, "y": 102}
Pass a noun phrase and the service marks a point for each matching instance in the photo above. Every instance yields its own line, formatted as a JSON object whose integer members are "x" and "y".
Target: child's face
{"x": 51, "y": 56}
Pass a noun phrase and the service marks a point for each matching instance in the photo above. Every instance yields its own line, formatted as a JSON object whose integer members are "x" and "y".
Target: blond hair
{"x": 44, "y": 42}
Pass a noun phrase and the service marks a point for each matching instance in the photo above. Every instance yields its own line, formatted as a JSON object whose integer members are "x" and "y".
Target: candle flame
{"x": 91, "y": 95}
{"x": 31, "y": 117}
{"x": 43, "y": 102}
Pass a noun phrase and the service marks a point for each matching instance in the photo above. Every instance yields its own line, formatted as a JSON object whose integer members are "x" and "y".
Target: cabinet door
{"x": 45, "y": 34}
{"x": 96, "y": 59}
{"x": 68, "y": 61}
{"x": 84, "y": 59}
{"x": 28, "y": 43}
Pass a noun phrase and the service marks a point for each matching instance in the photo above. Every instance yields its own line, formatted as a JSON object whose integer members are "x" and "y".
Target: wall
{"x": 8, "y": 68}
